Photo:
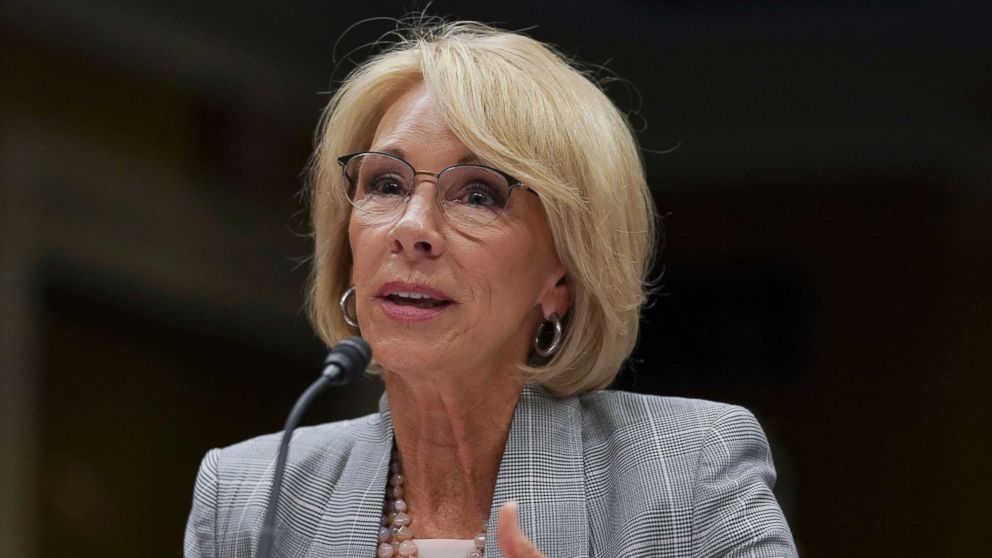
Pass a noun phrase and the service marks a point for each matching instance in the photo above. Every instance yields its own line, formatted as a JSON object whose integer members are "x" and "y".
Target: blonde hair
{"x": 522, "y": 107}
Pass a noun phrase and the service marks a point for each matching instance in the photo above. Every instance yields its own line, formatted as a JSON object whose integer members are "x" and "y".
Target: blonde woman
{"x": 481, "y": 218}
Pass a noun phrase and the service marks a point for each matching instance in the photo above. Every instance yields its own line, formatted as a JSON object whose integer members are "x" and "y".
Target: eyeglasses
{"x": 469, "y": 195}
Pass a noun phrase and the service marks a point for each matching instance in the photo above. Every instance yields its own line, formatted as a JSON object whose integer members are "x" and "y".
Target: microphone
{"x": 344, "y": 362}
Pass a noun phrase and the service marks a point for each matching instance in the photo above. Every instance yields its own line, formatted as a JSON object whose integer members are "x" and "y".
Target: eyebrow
{"x": 470, "y": 158}
{"x": 395, "y": 151}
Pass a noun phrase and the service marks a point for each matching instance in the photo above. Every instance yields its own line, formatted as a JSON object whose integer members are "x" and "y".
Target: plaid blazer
{"x": 606, "y": 474}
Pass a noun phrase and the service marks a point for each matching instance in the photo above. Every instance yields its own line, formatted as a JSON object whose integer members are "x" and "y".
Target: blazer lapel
{"x": 542, "y": 469}
{"x": 349, "y": 524}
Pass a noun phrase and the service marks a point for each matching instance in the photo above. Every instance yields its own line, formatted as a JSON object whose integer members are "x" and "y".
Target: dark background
{"x": 827, "y": 262}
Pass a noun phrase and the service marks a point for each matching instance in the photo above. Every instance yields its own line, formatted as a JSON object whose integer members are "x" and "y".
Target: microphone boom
{"x": 344, "y": 362}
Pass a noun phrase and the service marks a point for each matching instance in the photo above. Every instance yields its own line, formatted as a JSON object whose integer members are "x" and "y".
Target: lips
{"x": 412, "y": 302}
{"x": 415, "y": 299}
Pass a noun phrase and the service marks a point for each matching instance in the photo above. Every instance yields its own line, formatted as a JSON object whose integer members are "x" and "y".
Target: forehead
{"x": 411, "y": 128}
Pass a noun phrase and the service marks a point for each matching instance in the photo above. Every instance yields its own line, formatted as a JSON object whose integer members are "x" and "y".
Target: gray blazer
{"x": 607, "y": 474}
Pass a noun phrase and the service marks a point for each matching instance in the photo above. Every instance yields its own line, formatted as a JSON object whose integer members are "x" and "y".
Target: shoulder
{"x": 701, "y": 467}
{"x": 244, "y": 468}
{"x": 232, "y": 486}
{"x": 629, "y": 439}
{"x": 631, "y": 416}
{"x": 310, "y": 444}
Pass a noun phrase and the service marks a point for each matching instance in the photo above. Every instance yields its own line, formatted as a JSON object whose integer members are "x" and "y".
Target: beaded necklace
{"x": 395, "y": 534}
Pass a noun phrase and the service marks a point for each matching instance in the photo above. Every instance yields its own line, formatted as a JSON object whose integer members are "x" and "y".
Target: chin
{"x": 411, "y": 353}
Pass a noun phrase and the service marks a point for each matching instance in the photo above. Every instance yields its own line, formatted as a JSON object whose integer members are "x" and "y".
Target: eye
{"x": 478, "y": 193}
{"x": 479, "y": 197}
{"x": 386, "y": 185}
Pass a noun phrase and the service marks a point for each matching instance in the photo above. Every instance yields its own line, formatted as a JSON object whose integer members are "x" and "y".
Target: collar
{"x": 541, "y": 468}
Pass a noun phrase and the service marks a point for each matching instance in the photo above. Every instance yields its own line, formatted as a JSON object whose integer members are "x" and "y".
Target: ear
{"x": 556, "y": 298}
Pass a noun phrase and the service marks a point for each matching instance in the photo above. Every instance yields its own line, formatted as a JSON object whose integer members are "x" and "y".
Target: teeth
{"x": 412, "y": 296}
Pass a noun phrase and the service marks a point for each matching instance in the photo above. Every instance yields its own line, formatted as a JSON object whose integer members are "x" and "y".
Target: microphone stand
{"x": 345, "y": 361}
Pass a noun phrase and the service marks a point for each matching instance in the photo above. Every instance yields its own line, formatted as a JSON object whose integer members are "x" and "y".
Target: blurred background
{"x": 827, "y": 261}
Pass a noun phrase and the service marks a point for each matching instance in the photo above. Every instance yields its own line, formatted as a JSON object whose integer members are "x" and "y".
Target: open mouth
{"x": 417, "y": 300}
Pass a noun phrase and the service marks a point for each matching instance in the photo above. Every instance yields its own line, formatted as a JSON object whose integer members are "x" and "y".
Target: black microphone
{"x": 344, "y": 362}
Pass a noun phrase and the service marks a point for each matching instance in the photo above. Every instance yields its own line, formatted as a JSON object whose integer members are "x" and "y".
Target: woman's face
{"x": 488, "y": 287}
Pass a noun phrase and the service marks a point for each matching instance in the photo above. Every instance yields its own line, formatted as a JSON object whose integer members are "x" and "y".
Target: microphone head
{"x": 346, "y": 360}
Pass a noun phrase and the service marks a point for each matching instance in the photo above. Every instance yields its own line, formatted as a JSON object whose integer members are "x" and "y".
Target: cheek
{"x": 504, "y": 276}
{"x": 366, "y": 243}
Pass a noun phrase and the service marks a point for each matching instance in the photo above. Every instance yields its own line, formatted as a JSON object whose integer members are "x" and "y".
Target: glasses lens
{"x": 379, "y": 183}
{"x": 472, "y": 195}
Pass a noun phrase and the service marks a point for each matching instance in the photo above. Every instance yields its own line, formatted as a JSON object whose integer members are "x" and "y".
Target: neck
{"x": 451, "y": 432}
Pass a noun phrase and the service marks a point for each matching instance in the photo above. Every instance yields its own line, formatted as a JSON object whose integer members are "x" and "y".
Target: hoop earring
{"x": 551, "y": 349}
{"x": 343, "y": 303}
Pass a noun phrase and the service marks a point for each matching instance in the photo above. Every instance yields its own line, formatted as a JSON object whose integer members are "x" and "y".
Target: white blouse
{"x": 444, "y": 548}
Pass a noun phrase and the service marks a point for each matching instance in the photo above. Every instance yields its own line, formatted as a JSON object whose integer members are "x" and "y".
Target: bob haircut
{"x": 522, "y": 107}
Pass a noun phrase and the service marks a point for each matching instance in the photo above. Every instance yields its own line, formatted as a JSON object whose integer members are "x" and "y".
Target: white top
{"x": 444, "y": 548}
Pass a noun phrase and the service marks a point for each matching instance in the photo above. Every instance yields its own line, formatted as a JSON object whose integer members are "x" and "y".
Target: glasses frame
{"x": 511, "y": 180}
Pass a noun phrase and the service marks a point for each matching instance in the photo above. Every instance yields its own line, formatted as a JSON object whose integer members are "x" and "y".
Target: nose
{"x": 416, "y": 234}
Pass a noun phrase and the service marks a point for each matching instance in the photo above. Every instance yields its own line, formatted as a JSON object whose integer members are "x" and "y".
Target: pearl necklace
{"x": 395, "y": 535}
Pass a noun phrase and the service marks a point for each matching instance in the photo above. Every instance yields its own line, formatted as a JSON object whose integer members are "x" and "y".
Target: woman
{"x": 481, "y": 218}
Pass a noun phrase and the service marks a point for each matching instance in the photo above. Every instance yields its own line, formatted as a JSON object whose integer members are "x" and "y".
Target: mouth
{"x": 417, "y": 300}
{"x": 409, "y": 301}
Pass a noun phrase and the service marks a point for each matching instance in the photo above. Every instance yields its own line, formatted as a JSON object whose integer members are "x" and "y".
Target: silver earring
{"x": 343, "y": 303}
{"x": 552, "y": 348}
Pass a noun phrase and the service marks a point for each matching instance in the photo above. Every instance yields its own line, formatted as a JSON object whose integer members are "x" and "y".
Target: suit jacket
{"x": 606, "y": 474}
